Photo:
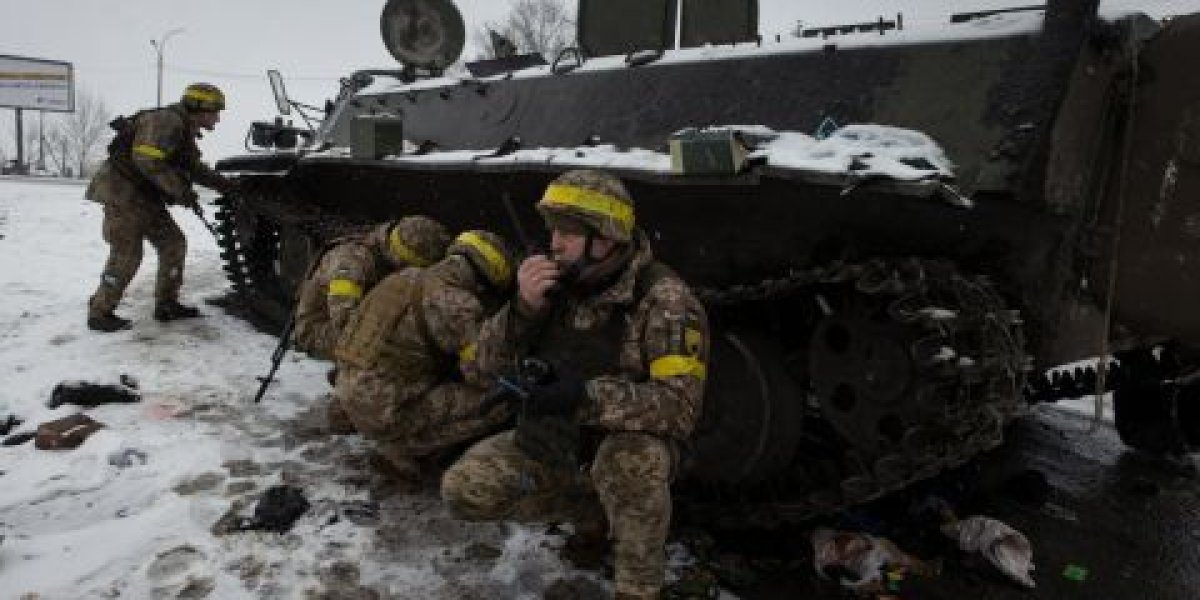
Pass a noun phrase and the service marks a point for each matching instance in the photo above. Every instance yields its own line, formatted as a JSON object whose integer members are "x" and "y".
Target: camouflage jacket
{"x": 658, "y": 383}
{"x": 347, "y": 270}
{"x": 164, "y": 155}
{"x": 420, "y": 347}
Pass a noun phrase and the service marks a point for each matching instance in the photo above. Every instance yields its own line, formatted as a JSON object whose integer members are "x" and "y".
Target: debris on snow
{"x": 9, "y": 423}
{"x": 277, "y": 510}
{"x": 1006, "y": 548}
{"x": 860, "y": 561}
{"x": 66, "y": 433}
{"x": 90, "y": 395}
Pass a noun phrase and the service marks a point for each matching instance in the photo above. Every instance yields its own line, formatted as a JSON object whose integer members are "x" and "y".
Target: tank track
{"x": 966, "y": 401}
{"x": 250, "y": 244}
{"x": 969, "y": 369}
{"x": 233, "y": 256}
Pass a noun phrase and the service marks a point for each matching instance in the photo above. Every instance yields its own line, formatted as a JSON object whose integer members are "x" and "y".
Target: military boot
{"x": 647, "y": 593}
{"x": 587, "y": 547}
{"x": 171, "y": 310}
{"x": 339, "y": 421}
{"x": 398, "y": 470}
{"x": 107, "y": 322}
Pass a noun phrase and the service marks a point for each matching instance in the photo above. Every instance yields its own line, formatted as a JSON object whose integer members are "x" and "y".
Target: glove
{"x": 558, "y": 397}
{"x": 552, "y": 441}
{"x": 230, "y": 186}
{"x": 190, "y": 200}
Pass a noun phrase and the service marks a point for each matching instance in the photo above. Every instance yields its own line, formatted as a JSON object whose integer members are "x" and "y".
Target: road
{"x": 1129, "y": 523}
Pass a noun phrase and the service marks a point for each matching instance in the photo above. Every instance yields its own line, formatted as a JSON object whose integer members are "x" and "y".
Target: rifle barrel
{"x": 277, "y": 355}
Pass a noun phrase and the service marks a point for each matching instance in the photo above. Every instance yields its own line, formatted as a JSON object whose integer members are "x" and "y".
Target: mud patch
{"x": 205, "y": 482}
{"x": 177, "y": 573}
{"x": 242, "y": 468}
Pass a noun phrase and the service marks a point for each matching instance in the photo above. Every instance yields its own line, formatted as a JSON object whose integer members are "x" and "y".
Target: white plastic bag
{"x": 1006, "y": 548}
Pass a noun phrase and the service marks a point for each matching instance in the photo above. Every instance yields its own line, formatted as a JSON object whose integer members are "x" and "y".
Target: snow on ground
{"x": 100, "y": 521}
{"x": 77, "y": 524}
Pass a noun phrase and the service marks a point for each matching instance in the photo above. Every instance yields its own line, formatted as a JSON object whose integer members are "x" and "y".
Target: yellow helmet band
{"x": 498, "y": 269}
{"x": 205, "y": 97}
{"x": 402, "y": 252}
{"x": 568, "y": 196}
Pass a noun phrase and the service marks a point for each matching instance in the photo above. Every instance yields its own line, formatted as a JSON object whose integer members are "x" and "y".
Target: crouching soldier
{"x": 350, "y": 267}
{"x": 407, "y": 374}
{"x": 152, "y": 162}
{"x": 628, "y": 341}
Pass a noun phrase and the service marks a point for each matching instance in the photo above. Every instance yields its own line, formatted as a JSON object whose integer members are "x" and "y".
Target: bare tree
{"x": 57, "y": 151}
{"x": 83, "y": 133}
{"x": 32, "y": 131}
{"x": 545, "y": 26}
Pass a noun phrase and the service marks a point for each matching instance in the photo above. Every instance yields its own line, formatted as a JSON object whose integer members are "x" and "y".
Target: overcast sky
{"x": 312, "y": 42}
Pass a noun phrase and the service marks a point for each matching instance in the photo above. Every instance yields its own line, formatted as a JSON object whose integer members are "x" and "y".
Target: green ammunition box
{"x": 377, "y": 136}
{"x": 707, "y": 152}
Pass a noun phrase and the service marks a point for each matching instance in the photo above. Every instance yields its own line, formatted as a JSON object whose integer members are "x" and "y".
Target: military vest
{"x": 370, "y": 341}
{"x": 120, "y": 150}
{"x": 595, "y": 351}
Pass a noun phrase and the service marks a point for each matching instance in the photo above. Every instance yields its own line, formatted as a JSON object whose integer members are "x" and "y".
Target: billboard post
{"x": 20, "y": 139}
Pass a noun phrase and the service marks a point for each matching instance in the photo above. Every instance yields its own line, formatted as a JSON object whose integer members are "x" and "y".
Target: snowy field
{"x": 130, "y": 512}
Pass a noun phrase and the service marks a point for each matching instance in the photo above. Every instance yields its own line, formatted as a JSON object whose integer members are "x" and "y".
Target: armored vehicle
{"x": 896, "y": 230}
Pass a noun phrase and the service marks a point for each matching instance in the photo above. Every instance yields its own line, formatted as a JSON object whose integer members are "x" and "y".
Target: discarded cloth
{"x": 65, "y": 433}
{"x": 9, "y": 423}
{"x": 277, "y": 510}
{"x": 90, "y": 395}
{"x": 1006, "y": 548}
{"x": 862, "y": 562}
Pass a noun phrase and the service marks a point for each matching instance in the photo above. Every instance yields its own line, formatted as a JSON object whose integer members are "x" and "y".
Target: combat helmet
{"x": 489, "y": 253}
{"x": 203, "y": 97}
{"x": 595, "y": 199}
{"x": 416, "y": 240}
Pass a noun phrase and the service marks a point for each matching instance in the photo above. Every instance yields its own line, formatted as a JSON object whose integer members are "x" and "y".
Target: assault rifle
{"x": 281, "y": 349}
{"x": 515, "y": 388}
{"x": 207, "y": 224}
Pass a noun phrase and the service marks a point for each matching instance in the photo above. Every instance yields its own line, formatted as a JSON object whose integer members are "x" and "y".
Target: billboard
{"x": 36, "y": 84}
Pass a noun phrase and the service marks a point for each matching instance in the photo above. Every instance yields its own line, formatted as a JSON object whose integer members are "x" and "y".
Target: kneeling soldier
{"x": 350, "y": 267}
{"x": 629, "y": 343}
{"x": 407, "y": 375}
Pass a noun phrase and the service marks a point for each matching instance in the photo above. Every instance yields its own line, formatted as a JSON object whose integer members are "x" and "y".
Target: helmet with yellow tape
{"x": 203, "y": 97}
{"x": 416, "y": 240}
{"x": 595, "y": 199}
{"x": 489, "y": 253}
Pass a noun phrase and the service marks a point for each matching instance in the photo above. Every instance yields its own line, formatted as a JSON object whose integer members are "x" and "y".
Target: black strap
{"x": 648, "y": 277}
{"x": 120, "y": 155}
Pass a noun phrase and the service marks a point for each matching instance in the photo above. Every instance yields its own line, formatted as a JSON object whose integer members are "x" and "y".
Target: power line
{"x": 232, "y": 75}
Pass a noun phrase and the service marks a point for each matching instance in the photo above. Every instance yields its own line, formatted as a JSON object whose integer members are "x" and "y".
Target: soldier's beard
{"x": 596, "y": 274}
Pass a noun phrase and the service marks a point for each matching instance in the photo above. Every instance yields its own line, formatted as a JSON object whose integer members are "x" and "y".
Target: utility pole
{"x": 160, "y": 46}
{"x": 41, "y": 140}
{"x": 20, "y": 140}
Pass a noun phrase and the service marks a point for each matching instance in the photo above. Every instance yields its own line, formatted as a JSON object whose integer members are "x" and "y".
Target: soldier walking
{"x": 629, "y": 342}
{"x": 407, "y": 374}
{"x": 152, "y": 162}
{"x": 350, "y": 267}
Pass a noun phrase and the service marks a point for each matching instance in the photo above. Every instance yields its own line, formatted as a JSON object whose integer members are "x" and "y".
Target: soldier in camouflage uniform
{"x": 629, "y": 342}
{"x": 407, "y": 375}
{"x": 153, "y": 161}
{"x": 350, "y": 267}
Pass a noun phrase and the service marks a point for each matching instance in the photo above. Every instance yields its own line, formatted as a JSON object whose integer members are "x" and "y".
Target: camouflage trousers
{"x": 316, "y": 335}
{"x": 412, "y": 420}
{"x": 630, "y": 476}
{"x": 319, "y": 324}
{"x": 128, "y": 220}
